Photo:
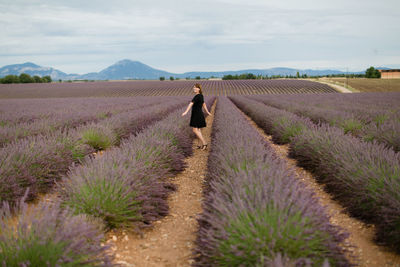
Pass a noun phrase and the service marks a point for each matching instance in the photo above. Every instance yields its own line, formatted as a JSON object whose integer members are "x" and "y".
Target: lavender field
{"x": 106, "y": 163}
{"x": 161, "y": 88}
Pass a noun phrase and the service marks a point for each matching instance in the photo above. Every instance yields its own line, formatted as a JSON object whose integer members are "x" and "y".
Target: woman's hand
{"x": 187, "y": 109}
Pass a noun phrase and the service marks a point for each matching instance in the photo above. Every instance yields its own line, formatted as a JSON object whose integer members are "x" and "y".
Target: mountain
{"x": 269, "y": 72}
{"x": 128, "y": 69}
{"x": 33, "y": 69}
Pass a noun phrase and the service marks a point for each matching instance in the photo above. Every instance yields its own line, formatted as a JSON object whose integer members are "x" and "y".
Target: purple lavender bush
{"x": 127, "y": 186}
{"x": 369, "y": 118}
{"x": 255, "y": 212}
{"x": 363, "y": 176}
{"x": 46, "y": 235}
{"x": 281, "y": 124}
{"x": 350, "y": 123}
{"x": 36, "y": 163}
{"x": 385, "y": 131}
{"x": 124, "y": 185}
{"x": 60, "y": 115}
{"x": 50, "y": 117}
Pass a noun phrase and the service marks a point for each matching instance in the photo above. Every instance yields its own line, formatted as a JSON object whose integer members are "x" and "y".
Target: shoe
{"x": 204, "y": 147}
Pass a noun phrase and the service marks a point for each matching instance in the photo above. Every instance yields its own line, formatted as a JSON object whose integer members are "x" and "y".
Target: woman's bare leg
{"x": 198, "y": 133}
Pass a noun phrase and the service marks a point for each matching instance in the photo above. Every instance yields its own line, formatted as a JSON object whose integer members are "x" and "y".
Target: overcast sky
{"x": 81, "y": 36}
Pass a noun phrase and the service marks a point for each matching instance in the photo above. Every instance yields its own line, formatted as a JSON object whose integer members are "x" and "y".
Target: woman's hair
{"x": 197, "y": 85}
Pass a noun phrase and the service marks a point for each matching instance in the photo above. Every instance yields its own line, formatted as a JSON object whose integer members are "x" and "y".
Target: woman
{"x": 197, "y": 120}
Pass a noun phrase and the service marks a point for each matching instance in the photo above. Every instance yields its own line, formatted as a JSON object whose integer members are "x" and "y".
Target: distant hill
{"x": 33, "y": 69}
{"x": 128, "y": 69}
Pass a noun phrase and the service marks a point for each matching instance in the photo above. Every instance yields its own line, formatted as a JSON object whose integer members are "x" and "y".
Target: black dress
{"x": 197, "y": 118}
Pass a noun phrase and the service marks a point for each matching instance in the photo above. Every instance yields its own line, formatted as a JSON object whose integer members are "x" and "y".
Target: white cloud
{"x": 77, "y": 35}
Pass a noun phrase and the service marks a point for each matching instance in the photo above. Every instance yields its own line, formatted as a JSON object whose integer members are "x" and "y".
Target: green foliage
{"x": 244, "y": 76}
{"x": 10, "y": 79}
{"x": 352, "y": 126}
{"x": 371, "y": 72}
{"x": 35, "y": 251}
{"x": 162, "y": 78}
{"x": 112, "y": 200}
{"x": 78, "y": 150}
{"x": 252, "y": 231}
{"x": 46, "y": 79}
{"x": 37, "y": 79}
{"x": 98, "y": 137}
{"x": 171, "y": 78}
{"x": 380, "y": 119}
{"x": 287, "y": 129}
{"x": 25, "y": 78}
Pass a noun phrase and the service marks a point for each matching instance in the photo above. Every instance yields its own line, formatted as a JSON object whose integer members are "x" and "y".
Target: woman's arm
{"x": 188, "y": 108}
{"x": 205, "y": 107}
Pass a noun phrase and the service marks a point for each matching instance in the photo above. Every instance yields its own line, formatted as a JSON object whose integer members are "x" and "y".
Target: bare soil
{"x": 363, "y": 250}
{"x": 338, "y": 87}
{"x": 171, "y": 239}
{"x": 368, "y": 85}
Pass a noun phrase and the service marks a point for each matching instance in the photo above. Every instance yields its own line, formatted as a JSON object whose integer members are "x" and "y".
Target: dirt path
{"x": 337, "y": 87}
{"x": 361, "y": 235}
{"x": 170, "y": 241}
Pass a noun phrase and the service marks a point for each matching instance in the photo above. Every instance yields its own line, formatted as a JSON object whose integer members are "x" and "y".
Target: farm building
{"x": 390, "y": 74}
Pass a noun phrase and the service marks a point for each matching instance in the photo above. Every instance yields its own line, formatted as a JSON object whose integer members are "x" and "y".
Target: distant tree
{"x": 47, "y": 79}
{"x": 250, "y": 76}
{"x": 371, "y": 72}
{"x": 171, "y": 78}
{"x": 25, "y": 78}
{"x": 297, "y": 75}
{"x": 198, "y": 77}
{"x": 10, "y": 79}
{"x": 162, "y": 78}
{"x": 37, "y": 79}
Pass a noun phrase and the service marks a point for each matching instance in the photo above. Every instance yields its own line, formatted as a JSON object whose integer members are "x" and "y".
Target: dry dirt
{"x": 338, "y": 87}
{"x": 170, "y": 241}
{"x": 361, "y": 235}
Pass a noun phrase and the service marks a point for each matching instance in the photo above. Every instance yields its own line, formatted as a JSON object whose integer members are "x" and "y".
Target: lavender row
{"x": 38, "y": 161}
{"x": 255, "y": 212}
{"x": 363, "y": 176}
{"x": 362, "y": 105}
{"x": 68, "y": 119}
{"x": 14, "y": 111}
{"x": 383, "y": 125}
{"x": 50, "y": 234}
{"x": 47, "y": 235}
{"x": 128, "y": 185}
{"x": 162, "y": 88}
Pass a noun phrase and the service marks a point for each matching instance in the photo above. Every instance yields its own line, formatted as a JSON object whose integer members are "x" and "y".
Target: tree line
{"x": 25, "y": 78}
{"x": 369, "y": 73}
